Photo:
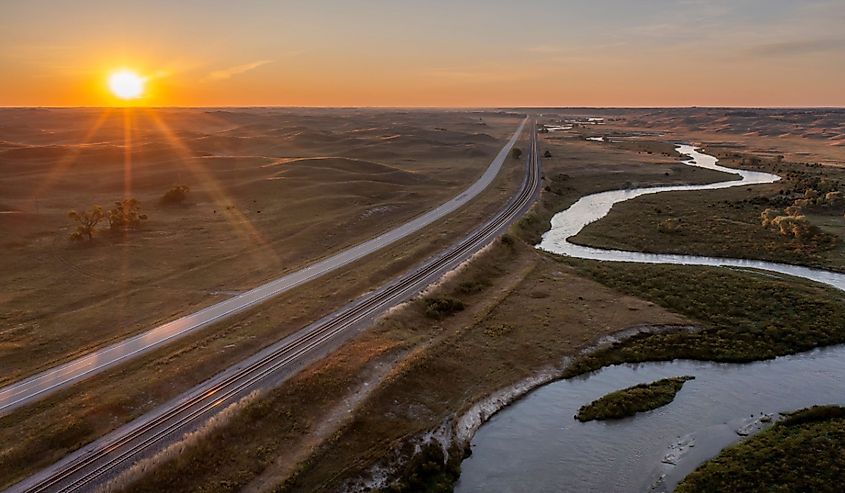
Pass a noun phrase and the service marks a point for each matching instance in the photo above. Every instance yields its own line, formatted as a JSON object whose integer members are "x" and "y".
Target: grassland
{"x": 632, "y": 400}
{"x": 508, "y": 330}
{"x": 371, "y": 401}
{"x": 426, "y": 377}
{"x": 36, "y": 435}
{"x": 270, "y": 190}
{"x": 420, "y": 362}
{"x": 746, "y": 316}
{"x": 800, "y": 135}
{"x": 803, "y": 452}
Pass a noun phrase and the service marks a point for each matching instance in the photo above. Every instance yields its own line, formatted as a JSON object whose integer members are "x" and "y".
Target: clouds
{"x": 799, "y": 47}
{"x": 228, "y": 73}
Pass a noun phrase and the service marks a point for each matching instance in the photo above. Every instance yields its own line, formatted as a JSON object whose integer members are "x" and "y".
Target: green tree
{"x": 516, "y": 152}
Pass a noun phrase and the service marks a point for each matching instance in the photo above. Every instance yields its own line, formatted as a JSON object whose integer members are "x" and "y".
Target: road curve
{"x": 95, "y": 463}
{"x": 62, "y": 376}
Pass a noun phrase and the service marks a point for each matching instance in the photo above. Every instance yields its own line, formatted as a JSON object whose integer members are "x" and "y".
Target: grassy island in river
{"x": 633, "y": 400}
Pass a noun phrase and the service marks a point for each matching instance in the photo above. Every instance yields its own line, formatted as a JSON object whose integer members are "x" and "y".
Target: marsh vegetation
{"x": 632, "y": 400}
{"x": 803, "y": 452}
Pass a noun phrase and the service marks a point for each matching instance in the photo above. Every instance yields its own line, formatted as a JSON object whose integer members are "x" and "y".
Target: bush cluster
{"x": 441, "y": 307}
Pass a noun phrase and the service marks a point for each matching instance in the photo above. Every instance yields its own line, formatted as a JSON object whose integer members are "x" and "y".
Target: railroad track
{"x": 94, "y": 464}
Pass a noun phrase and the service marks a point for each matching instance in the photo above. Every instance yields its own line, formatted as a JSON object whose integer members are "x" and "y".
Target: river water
{"x": 593, "y": 207}
{"x": 536, "y": 444}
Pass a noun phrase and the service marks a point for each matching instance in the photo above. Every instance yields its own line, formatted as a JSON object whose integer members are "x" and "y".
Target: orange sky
{"x": 433, "y": 53}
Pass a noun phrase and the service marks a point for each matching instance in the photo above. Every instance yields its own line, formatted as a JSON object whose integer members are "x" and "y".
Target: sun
{"x": 126, "y": 84}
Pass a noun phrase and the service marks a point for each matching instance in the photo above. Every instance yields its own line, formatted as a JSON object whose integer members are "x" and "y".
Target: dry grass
{"x": 264, "y": 198}
{"x": 799, "y": 134}
{"x": 522, "y": 314}
{"x": 550, "y": 313}
{"x": 174, "y": 450}
{"x": 35, "y": 436}
{"x": 429, "y": 378}
{"x": 492, "y": 331}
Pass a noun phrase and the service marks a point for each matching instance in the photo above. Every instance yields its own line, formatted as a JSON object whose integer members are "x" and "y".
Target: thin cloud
{"x": 797, "y": 48}
{"x": 228, "y": 73}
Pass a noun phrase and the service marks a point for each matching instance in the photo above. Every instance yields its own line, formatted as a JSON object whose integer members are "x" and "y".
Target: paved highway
{"x": 54, "y": 379}
{"x": 90, "y": 466}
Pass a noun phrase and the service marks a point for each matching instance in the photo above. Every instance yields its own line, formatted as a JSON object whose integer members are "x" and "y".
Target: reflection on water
{"x": 537, "y": 445}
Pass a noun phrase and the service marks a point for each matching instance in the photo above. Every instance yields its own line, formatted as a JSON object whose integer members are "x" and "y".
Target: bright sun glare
{"x": 126, "y": 84}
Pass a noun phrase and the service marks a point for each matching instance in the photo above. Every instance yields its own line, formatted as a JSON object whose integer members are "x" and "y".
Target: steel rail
{"x": 92, "y": 464}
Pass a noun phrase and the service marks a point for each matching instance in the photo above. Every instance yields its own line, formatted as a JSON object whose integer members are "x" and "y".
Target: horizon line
{"x": 272, "y": 106}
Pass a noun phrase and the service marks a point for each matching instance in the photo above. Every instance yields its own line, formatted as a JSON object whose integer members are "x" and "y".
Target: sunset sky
{"x": 426, "y": 53}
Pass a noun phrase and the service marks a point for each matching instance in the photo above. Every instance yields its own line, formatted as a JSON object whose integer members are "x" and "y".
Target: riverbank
{"x": 533, "y": 443}
{"x": 803, "y": 452}
{"x": 695, "y": 222}
{"x": 747, "y": 316}
{"x": 418, "y": 370}
{"x": 730, "y": 333}
{"x": 442, "y": 443}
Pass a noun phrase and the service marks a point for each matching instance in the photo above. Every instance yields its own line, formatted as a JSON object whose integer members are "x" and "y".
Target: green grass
{"x": 633, "y": 400}
{"x": 745, "y": 316}
{"x": 805, "y": 452}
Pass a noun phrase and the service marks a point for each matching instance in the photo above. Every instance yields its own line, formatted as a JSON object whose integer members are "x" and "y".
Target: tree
{"x": 176, "y": 195}
{"x": 125, "y": 215}
{"x": 86, "y": 222}
{"x": 516, "y": 152}
{"x": 547, "y": 154}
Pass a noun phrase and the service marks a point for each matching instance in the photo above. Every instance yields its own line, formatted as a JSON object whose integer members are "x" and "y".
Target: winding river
{"x": 536, "y": 445}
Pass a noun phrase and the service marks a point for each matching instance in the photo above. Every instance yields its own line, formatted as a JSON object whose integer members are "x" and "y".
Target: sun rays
{"x": 227, "y": 205}
{"x": 130, "y": 129}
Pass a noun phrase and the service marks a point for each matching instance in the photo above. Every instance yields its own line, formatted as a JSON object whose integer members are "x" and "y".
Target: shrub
{"x": 794, "y": 211}
{"x": 516, "y": 152}
{"x": 176, "y": 195}
{"x": 440, "y": 308}
{"x": 670, "y": 225}
{"x": 474, "y": 286}
{"x": 795, "y": 227}
{"x": 834, "y": 199}
{"x": 547, "y": 154}
{"x": 768, "y": 216}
